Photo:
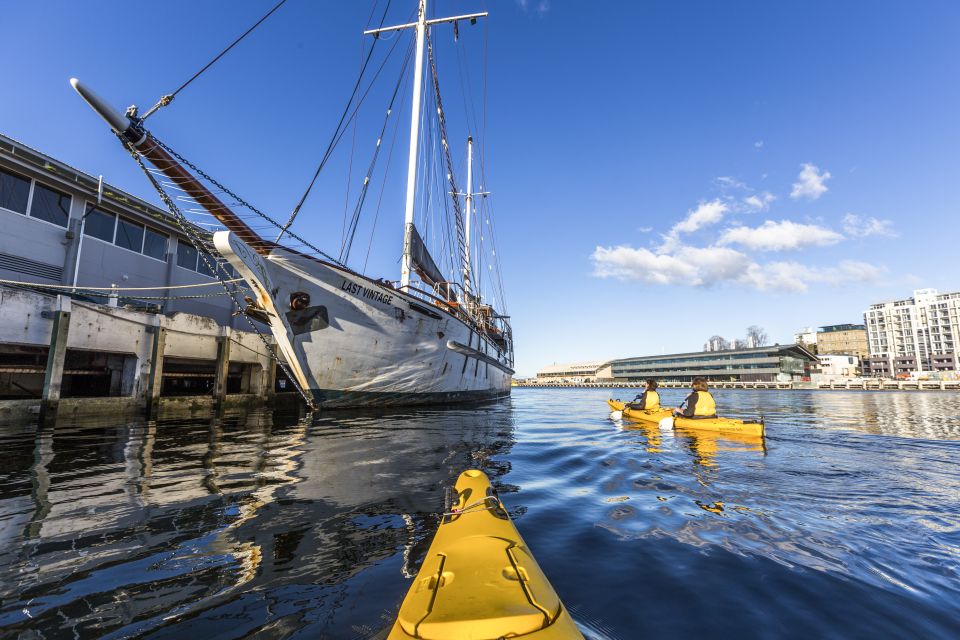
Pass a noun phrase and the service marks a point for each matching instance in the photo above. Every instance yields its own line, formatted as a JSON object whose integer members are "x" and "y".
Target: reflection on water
{"x": 124, "y": 530}
{"x": 844, "y": 521}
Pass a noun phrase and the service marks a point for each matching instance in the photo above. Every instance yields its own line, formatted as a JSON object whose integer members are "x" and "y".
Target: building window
{"x": 186, "y": 256}
{"x": 154, "y": 244}
{"x": 50, "y": 205}
{"x": 129, "y": 235}
{"x": 99, "y": 224}
{"x": 14, "y": 192}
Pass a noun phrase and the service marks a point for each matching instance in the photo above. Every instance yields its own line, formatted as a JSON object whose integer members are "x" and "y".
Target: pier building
{"x": 777, "y": 363}
{"x": 843, "y": 339}
{"x": 914, "y": 335}
{"x": 62, "y": 226}
{"x": 842, "y": 366}
{"x": 577, "y": 372}
{"x": 64, "y": 231}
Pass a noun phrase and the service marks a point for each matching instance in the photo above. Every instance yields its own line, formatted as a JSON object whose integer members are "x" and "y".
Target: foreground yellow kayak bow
{"x": 479, "y": 580}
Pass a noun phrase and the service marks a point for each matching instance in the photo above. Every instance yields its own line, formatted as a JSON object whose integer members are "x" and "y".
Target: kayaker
{"x": 699, "y": 404}
{"x": 649, "y": 400}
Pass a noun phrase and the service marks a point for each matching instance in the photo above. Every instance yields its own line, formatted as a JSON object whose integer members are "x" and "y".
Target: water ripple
{"x": 843, "y": 522}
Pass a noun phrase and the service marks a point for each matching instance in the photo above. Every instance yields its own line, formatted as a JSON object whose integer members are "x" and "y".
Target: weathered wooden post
{"x": 56, "y": 356}
{"x": 223, "y": 367}
{"x": 155, "y": 378}
{"x": 270, "y": 374}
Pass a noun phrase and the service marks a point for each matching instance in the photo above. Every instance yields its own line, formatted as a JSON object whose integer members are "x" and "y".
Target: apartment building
{"x": 917, "y": 334}
{"x": 843, "y": 339}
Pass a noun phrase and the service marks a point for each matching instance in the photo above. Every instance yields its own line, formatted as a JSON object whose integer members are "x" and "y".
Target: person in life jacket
{"x": 699, "y": 404}
{"x": 649, "y": 400}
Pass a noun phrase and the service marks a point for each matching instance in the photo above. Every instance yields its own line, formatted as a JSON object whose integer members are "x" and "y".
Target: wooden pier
{"x": 62, "y": 357}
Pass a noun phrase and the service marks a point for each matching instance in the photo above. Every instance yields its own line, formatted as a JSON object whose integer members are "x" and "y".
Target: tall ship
{"x": 347, "y": 339}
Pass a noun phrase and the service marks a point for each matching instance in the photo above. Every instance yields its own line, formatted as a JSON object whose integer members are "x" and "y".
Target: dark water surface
{"x": 843, "y": 522}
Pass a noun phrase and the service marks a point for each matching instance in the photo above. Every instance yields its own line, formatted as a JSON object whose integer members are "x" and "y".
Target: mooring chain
{"x": 200, "y": 172}
{"x": 214, "y": 268}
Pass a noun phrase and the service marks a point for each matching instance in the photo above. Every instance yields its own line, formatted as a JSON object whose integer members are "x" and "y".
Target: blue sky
{"x": 661, "y": 171}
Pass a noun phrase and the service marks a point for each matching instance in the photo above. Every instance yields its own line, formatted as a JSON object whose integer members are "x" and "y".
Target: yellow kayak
{"x": 721, "y": 425}
{"x": 644, "y": 415}
{"x": 479, "y": 580}
{"x": 616, "y": 405}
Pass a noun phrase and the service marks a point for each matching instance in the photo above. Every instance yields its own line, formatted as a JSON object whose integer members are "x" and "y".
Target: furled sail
{"x": 423, "y": 263}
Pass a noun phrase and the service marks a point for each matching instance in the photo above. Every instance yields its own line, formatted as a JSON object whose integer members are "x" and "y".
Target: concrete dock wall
{"x": 131, "y": 356}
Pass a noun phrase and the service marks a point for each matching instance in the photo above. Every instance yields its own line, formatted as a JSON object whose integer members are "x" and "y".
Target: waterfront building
{"x": 843, "y": 339}
{"x": 62, "y": 226}
{"x": 777, "y": 363}
{"x": 837, "y": 365}
{"x": 806, "y": 336}
{"x": 576, "y": 372}
{"x": 914, "y": 335}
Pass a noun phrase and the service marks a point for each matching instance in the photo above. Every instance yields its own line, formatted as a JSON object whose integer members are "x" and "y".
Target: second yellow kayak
{"x": 479, "y": 580}
{"x": 721, "y": 425}
{"x": 718, "y": 425}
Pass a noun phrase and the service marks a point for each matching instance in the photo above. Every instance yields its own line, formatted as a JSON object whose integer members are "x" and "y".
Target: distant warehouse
{"x": 778, "y": 363}
{"x": 592, "y": 371}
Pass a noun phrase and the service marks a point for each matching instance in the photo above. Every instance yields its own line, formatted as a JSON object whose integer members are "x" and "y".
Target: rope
{"x": 337, "y": 133}
{"x": 470, "y": 507}
{"x": 112, "y": 288}
{"x": 167, "y": 99}
{"x": 236, "y": 198}
{"x": 347, "y": 244}
{"x": 191, "y": 232}
{"x": 458, "y": 213}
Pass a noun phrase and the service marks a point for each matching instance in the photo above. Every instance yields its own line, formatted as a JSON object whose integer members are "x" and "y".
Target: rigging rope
{"x": 337, "y": 133}
{"x": 348, "y": 244}
{"x": 191, "y": 232}
{"x": 167, "y": 99}
{"x": 237, "y": 198}
{"x": 112, "y": 288}
{"x": 458, "y": 213}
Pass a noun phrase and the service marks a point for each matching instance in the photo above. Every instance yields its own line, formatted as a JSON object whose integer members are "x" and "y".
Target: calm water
{"x": 843, "y": 522}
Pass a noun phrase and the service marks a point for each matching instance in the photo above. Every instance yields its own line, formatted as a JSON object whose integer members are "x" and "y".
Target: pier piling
{"x": 155, "y": 377}
{"x": 56, "y": 357}
{"x": 223, "y": 367}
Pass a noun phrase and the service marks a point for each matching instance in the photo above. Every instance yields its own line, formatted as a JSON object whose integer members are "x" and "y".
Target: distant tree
{"x": 757, "y": 336}
{"x": 716, "y": 343}
{"x": 740, "y": 344}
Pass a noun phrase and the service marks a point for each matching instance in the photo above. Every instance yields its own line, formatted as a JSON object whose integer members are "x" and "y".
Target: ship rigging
{"x": 345, "y": 338}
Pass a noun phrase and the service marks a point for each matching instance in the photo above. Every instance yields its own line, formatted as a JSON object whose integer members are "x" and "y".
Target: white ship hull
{"x": 361, "y": 343}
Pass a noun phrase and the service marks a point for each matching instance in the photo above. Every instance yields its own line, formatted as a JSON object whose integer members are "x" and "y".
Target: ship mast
{"x": 421, "y": 29}
{"x": 468, "y": 264}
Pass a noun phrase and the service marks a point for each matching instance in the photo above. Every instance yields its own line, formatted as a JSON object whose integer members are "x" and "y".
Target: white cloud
{"x": 793, "y": 276}
{"x": 859, "y": 227}
{"x": 729, "y": 182}
{"x": 705, "y": 214}
{"x": 760, "y": 201}
{"x": 688, "y": 266}
{"x": 810, "y": 182}
{"x": 780, "y": 236}
{"x": 758, "y": 145}
{"x": 704, "y": 267}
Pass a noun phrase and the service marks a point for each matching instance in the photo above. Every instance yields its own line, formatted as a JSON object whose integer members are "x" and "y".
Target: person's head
{"x": 699, "y": 384}
{"x": 651, "y": 384}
